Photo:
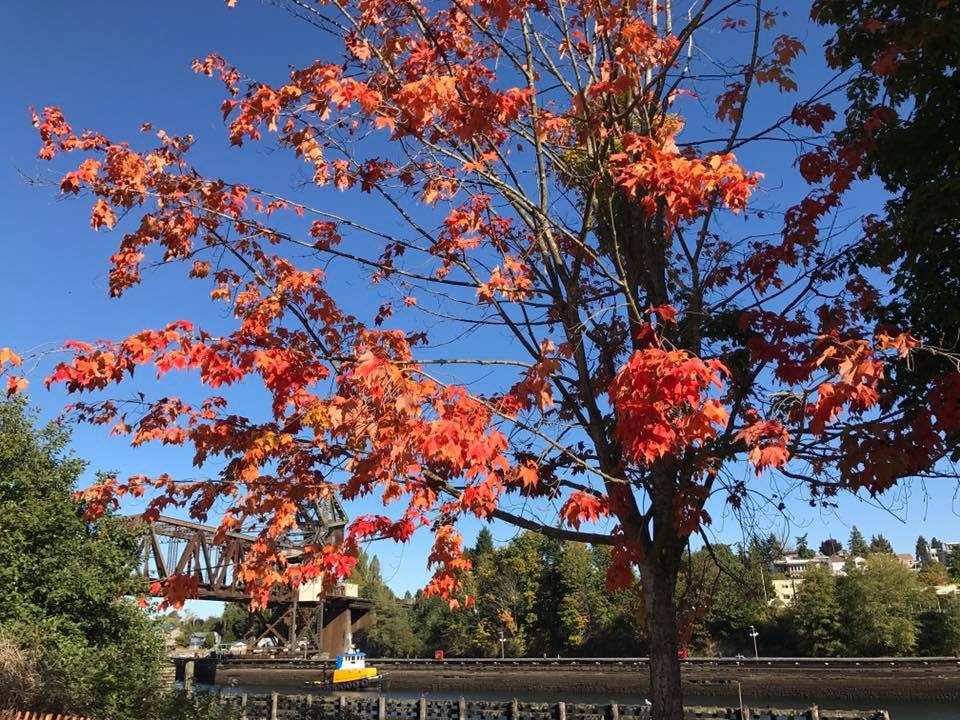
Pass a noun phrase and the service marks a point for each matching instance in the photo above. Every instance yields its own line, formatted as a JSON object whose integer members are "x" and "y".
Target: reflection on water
{"x": 898, "y": 710}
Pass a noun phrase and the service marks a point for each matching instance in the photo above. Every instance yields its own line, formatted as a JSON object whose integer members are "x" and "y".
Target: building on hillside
{"x": 784, "y": 590}
{"x": 908, "y": 560}
{"x": 790, "y": 565}
{"x": 941, "y": 553}
{"x": 794, "y": 567}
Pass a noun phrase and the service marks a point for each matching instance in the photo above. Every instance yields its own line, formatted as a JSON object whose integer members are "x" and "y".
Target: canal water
{"x": 912, "y": 710}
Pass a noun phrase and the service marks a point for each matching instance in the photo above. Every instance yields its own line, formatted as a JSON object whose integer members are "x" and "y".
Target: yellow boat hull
{"x": 353, "y": 675}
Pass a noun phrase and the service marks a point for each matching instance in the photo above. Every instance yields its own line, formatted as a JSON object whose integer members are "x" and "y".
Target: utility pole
{"x": 753, "y": 633}
{"x": 763, "y": 584}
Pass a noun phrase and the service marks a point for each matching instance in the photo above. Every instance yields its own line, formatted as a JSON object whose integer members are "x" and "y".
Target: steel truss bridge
{"x": 306, "y": 618}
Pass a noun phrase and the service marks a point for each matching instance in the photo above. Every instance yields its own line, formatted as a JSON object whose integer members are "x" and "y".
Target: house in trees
{"x": 909, "y": 561}
{"x": 793, "y": 566}
{"x": 942, "y": 551}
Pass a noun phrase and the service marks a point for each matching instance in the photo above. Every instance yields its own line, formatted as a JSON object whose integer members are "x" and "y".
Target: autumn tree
{"x": 933, "y": 574}
{"x": 529, "y": 184}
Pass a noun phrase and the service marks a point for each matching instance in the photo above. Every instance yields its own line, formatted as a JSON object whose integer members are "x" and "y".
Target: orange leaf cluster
{"x": 680, "y": 186}
{"x": 661, "y": 404}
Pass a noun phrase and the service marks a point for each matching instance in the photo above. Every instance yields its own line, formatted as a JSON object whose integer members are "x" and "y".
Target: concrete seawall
{"x": 872, "y": 681}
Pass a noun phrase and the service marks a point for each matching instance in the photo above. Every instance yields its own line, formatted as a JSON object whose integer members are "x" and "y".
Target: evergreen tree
{"x": 238, "y": 623}
{"x": 770, "y": 548}
{"x": 880, "y": 545}
{"x": 437, "y": 628}
{"x": 816, "y": 615}
{"x": 392, "y": 634}
{"x": 831, "y": 546}
{"x": 620, "y": 614}
{"x": 484, "y": 542}
{"x": 720, "y": 599}
{"x": 857, "y": 544}
{"x": 803, "y": 549}
{"x": 923, "y": 551}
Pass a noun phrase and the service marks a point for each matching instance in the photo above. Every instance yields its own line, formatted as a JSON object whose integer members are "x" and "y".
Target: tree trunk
{"x": 659, "y": 579}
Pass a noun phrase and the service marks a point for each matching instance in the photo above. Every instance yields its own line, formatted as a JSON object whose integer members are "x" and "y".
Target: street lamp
{"x": 753, "y": 633}
{"x": 502, "y": 641}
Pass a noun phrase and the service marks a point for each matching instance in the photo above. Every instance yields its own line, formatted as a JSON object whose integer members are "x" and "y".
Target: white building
{"x": 795, "y": 567}
{"x": 784, "y": 590}
{"x": 940, "y": 554}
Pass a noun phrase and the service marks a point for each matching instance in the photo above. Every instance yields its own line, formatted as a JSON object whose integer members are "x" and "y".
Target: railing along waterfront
{"x": 275, "y": 706}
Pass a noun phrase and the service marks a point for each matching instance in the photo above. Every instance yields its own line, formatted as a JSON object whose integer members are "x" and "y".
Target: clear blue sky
{"x": 115, "y": 65}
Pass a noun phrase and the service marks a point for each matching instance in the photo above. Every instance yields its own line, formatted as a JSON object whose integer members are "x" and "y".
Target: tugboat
{"x": 350, "y": 673}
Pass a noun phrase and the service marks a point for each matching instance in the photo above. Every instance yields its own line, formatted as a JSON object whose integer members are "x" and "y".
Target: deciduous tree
{"x": 953, "y": 561}
{"x": 816, "y": 614}
{"x": 933, "y": 574}
{"x": 940, "y": 629}
{"x": 531, "y": 184}
{"x": 904, "y": 108}
{"x": 880, "y": 604}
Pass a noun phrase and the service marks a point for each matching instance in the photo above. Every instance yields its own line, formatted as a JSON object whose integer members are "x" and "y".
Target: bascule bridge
{"x": 305, "y": 618}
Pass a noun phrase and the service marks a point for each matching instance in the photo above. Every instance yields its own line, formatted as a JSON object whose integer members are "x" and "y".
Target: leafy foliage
{"x": 953, "y": 561}
{"x": 86, "y": 649}
{"x": 940, "y": 629}
{"x": 816, "y": 615}
{"x": 879, "y": 606}
{"x": 904, "y": 109}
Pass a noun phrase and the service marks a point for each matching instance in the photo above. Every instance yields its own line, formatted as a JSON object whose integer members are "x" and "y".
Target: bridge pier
{"x": 319, "y": 627}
